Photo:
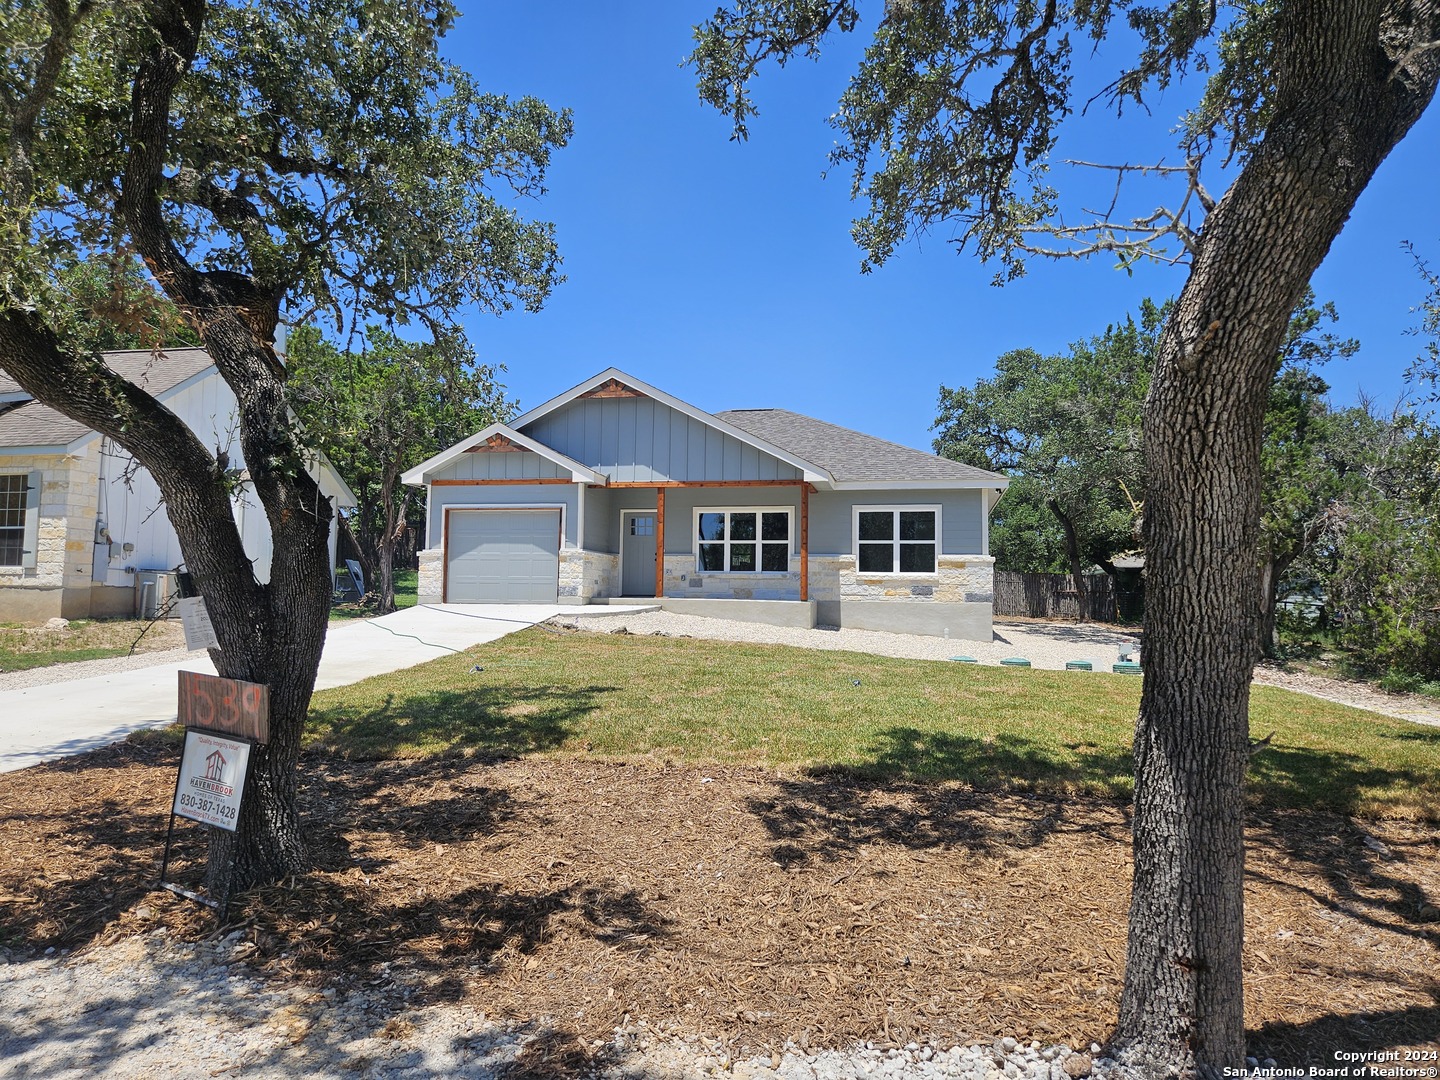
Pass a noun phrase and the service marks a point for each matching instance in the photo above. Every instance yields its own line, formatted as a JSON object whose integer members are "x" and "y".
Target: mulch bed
{"x": 733, "y": 904}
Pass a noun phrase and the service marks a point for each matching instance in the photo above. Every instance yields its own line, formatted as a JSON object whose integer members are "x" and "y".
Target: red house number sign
{"x": 225, "y": 705}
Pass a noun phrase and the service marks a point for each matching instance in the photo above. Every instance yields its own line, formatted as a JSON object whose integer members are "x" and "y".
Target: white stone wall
{"x": 65, "y": 549}
{"x": 587, "y": 574}
{"x": 682, "y": 581}
{"x": 430, "y": 583}
{"x": 960, "y": 579}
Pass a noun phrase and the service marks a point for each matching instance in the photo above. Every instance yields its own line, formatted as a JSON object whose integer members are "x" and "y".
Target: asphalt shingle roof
{"x": 849, "y": 455}
{"x": 34, "y": 424}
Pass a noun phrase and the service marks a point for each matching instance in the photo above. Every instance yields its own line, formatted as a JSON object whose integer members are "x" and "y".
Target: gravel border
{"x": 150, "y": 1006}
{"x": 89, "y": 669}
{"x": 1045, "y": 645}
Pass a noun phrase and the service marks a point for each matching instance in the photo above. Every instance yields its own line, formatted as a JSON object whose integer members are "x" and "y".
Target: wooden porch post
{"x": 804, "y": 541}
{"x": 659, "y": 542}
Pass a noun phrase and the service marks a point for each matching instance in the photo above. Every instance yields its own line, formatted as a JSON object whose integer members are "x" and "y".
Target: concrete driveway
{"x": 40, "y": 723}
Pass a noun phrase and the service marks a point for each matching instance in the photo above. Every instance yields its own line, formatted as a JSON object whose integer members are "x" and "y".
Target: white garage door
{"x": 502, "y": 556}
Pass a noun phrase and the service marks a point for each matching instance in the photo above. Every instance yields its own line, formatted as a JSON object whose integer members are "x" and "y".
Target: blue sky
{"x": 724, "y": 272}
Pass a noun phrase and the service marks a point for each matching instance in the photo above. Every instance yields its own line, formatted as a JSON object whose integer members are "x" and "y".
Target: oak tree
{"x": 381, "y": 409}
{"x": 950, "y": 119}
{"x": 262, "y": 159}
{"x": 1066, "y": 428}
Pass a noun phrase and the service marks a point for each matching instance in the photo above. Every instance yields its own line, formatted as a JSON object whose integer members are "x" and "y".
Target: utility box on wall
{"x": 155, "y": 594}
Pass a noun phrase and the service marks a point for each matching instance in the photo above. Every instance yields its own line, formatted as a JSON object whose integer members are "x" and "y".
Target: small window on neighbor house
{"x": 742, "y": 541}
{"x": 13, "y": 489}
{"x": 896, "y": 540}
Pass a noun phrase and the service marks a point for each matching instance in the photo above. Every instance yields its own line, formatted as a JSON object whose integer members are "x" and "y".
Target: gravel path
{"x": 1045, "y": 645}
{"x": 148, "y": 1006}
{"x": 88, "y": 669}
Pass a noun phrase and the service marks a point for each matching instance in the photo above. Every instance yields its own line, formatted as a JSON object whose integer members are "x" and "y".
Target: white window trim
{"x": 895, "y": 508}
{"x": 788, "y": 511}
{"x": 30, "y": 536}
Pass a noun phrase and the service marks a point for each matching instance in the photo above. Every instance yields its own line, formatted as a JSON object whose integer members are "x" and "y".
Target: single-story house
{"x": 81, "y": 522}
{"x": 615, "y": 490}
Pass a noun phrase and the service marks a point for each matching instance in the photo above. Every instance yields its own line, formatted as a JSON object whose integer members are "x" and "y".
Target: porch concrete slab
{"x": 41, "y": 723}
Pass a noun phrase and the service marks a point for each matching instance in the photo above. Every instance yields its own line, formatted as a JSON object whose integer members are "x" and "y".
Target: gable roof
{"x": 854, "y": 458}
{"x": 31, "y": 424}
{"x": 579, "y": 472}
{"x": 809, "y": 469}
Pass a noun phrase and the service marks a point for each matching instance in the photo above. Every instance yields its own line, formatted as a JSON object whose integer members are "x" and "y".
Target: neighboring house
{"x": 80, "y": 520}
{"x": 760, "y": 514}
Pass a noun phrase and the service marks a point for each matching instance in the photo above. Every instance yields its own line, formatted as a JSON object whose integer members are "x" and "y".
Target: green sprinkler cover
{"x": 1015, "y": 661}
{"x": 964, "y": 659}
{"x": 1126, "y": 667}
{"x": 1078, "y": 665}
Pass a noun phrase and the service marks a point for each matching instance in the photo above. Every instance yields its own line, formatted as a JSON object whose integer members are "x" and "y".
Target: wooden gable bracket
{"x": 612, "y": 388}
{"x": 497, "y": 444}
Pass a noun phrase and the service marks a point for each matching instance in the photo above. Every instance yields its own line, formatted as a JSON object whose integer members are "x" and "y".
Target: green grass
{"x": 23, "y": 647}
{"x": 703, "y": 701}
{"x": 406, "y": 591}
{"x": 11, "y": 660}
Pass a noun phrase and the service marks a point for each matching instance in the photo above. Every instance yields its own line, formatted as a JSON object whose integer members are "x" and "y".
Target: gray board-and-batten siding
{"x": 831, "y": 512}
{"x": 641, "y": 440}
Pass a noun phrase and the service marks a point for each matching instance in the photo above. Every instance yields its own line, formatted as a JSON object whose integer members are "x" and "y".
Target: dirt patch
{"x": 732, "y": 904}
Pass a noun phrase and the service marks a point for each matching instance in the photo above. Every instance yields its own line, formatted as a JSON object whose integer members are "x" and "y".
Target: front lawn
{"x": 617, "y": 696}
{"x": 24, "y": 647}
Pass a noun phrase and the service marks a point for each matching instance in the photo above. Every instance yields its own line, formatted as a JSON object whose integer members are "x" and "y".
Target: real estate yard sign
{"x": 223, "y": 719}
{"x": 212, "y": 779}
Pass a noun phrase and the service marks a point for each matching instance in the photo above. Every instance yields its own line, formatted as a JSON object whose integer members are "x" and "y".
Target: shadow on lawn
{"x": 1299, "y": 777}
{"x": 501, "y": 721}
{"x": 1001, "y": 760}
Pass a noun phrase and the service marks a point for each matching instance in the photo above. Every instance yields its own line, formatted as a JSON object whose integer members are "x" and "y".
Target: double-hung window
{"x": 13, "y": 504}
{"x": 897, "y": 539}
{"x": 743, "y": 540}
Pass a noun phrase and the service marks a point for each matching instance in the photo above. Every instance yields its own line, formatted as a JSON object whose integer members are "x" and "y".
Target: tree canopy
{"x": 379, "y": 410}
{"x": 1067, "y": 428}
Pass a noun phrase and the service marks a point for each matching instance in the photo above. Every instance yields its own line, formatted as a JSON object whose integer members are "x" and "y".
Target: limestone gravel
{"x": 150, "y": 1006}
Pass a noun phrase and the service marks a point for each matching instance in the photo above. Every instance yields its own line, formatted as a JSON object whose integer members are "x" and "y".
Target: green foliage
{"x": 1066, "y": 428}
{"x": 114, "y": 304}
{"x": 378, "y": 411}
{"x": 1425, "y": 371}
{"x": 323, "y": 148}
{"x": 1384, "y": 589}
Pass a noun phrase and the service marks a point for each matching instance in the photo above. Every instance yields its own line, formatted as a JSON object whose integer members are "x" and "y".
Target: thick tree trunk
{"x": 385, "y": 564}
{"x": 1270, "y": 572}
{"x": 1072, "y": 552}
{"x": 268, "y": 633}
{"x": 1337, "y": 112}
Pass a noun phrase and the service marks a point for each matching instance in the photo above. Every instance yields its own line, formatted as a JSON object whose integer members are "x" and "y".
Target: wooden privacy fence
{"x": 1052, "y": 596}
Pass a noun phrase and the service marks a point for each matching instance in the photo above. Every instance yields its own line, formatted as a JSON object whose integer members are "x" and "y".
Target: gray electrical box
{"x": 155, "y": 593}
